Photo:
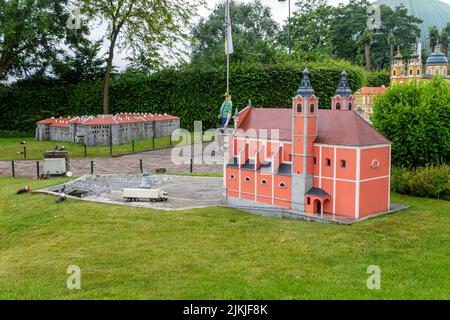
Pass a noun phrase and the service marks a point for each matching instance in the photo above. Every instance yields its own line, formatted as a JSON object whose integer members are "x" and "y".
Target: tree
{"x": 433, "y": 36}
{"x": 416, "y": 118}
{"x": 31, "y": 34}
{"x": 149, "y": 29}
{"x": 310, "y": 28}
{"x": 366, "y": 41}
{"x": 404, "y": 29}
{"x": 391, "y": 43}
{"x": 254, "y": 34}
{"x": 82, "y": 65}
{"x": 445, "y": 38}
{"x": 349, "y": 24}
{"x": 349, "y": 36}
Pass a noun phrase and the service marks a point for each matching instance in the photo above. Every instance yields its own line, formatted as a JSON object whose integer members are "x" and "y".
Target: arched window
{"x": 410, "y": 72}
{"x": 338, "y": 106}
{"x": 247, "y": 179}
{"x": 299, "y": 107}
{"x": 395, "y": 73}
{"x": 418, "y": 71}
{"x": 311, "y": 108}
{"x": 264, "y": 182}
{"x": 349, "y": 106}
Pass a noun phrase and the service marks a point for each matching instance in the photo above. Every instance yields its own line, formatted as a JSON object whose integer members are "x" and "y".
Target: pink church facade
{"x": 309, "y": 161}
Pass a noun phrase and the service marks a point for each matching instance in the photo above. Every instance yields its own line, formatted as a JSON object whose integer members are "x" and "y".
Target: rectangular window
{"x": 315, "y": 160}
{"x": 308, "y": 200}
{"x": 328, "y": 161}
{"x": 343, "y": 164}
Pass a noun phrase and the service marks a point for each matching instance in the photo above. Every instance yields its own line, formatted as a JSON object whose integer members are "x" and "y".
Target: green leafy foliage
{"x": 193, "y": 93}
{"x": 378, "y": 79}
{"x": 32, "y": 34}
{"x": 429, "y": 181}
{"x": 416, "y": 118}
{"x": 254, "y": 34}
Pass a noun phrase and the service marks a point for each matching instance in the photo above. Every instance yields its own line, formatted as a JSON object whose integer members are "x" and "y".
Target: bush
{"x": 416, "y": 118}
{"x": 429, "y": 181}
{"x": 192, "y": 93}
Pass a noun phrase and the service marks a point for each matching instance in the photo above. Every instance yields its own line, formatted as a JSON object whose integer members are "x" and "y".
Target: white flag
{"x": 228, "y": 36}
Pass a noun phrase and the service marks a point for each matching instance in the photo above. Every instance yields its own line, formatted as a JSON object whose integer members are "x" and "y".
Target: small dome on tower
{"x": 398, "y": 56}
{"x": 416, "y": 54}
{"x": 305, "y": 89}
{"x": 437, "y": 57}
{"x": 344, "y": 89}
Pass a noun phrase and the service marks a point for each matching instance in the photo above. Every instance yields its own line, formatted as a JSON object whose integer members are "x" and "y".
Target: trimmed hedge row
{"x": 430, "y": 181}
{"x": 190, "y": 93}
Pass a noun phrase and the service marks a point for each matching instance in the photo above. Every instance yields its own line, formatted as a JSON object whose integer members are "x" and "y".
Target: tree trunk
{"x": 5, "y": 61}
{"x": 391, "y": 53}
{"x": 108, "y": 70}
{"x": 367, "y": 55}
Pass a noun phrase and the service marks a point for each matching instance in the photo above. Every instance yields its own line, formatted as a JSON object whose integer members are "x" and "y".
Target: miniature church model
{"x": 326, "y": 163}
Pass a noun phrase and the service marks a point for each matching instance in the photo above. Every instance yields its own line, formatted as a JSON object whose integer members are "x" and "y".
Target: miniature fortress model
{"x": 104, "y": 130}
{"x": 324, "y": 162}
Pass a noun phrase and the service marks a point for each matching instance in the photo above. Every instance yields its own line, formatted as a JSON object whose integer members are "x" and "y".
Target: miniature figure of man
{"x": 225, "y": 111}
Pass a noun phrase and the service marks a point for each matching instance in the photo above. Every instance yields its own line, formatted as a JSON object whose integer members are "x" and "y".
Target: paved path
{"x": 128, "y": 164}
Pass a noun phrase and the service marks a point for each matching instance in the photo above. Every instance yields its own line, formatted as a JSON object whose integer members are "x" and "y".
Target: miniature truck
{"x": 152, "y": 195}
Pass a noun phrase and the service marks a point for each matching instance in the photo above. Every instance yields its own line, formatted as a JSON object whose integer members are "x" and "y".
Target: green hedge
{"x": 15, "y": 134}
{"x": 430, "y": 181}
{"x": 378, "y": 79}
{"x": 190, "y": 93}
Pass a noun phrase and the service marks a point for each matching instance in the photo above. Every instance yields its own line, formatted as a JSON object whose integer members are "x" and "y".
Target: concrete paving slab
{"x": 185, "y": 192}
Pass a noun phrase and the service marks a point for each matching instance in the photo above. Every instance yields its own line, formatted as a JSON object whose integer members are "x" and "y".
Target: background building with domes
{"x": 411, "y": 71}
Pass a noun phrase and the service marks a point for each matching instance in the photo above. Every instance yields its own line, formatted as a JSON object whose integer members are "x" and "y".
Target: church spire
{"x": 398, "y": 56}
{"x": 343, "y": 98}
{"x": 344, "y": 89}
{"x": 305, "y": 89}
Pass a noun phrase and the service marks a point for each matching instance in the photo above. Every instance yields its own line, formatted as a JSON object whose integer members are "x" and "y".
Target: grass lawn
{"x": 215, "y": 253}
{"x": 35, "y": 149}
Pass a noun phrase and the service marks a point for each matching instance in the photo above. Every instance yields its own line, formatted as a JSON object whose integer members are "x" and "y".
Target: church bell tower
{"x": 343, "y": 98}
{"x": 304, "y": 133}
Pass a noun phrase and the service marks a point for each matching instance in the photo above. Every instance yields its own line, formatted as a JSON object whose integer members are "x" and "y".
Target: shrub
{"x": 429, "y": 181}
{"x": 416, "y": 118}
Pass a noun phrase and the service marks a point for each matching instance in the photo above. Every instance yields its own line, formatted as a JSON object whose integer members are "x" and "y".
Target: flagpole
{"x": 228, "y": 73}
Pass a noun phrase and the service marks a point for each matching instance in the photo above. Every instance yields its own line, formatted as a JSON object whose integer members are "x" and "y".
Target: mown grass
{"x": 9, "y": 148}
{"x": 215, "y": 253}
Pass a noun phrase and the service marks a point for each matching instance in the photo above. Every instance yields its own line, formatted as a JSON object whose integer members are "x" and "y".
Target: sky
{"x": 280, "y": 11}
